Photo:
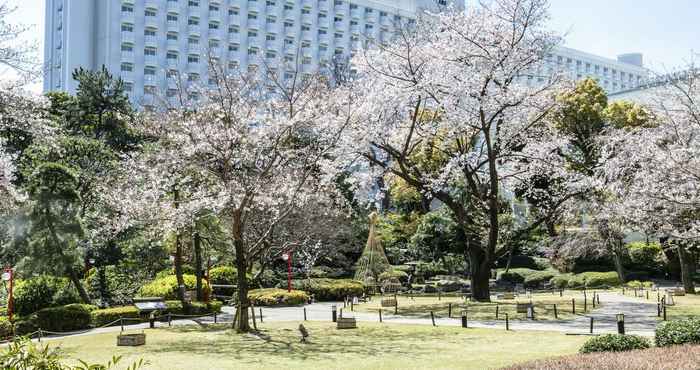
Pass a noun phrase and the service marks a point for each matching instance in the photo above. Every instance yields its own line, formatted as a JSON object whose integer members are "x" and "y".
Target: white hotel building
{"x": 139, "y": 40}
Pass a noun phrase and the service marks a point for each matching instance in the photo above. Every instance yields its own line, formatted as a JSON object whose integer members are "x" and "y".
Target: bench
{"x": 506, "y": 296}
{"x": 522, "y": 307}
{"x": 346, "y": 323}
{"x": 677, "y": 291}
{"x": 131, "y": 340}
{"x": 388, "y": 302}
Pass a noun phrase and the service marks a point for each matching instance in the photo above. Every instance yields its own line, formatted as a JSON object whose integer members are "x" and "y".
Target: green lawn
{"x": 372, "y": 346}
{"x": 421, "y": 306}
{"x": 685, "y": 306}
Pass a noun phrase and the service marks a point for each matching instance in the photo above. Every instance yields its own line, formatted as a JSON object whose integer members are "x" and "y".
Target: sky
{"x": 665, "y": 31}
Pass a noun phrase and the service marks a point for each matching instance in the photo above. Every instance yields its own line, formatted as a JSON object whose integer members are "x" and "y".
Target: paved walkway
{"x": 640, "y": 318}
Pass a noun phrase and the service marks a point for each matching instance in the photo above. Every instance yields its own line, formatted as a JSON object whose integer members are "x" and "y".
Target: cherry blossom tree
{"x": 655, "y": 171}
{"x": 253, "y": 144}
{"x": 448, "y": 109}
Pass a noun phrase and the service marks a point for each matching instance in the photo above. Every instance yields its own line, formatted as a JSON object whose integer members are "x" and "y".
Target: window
{"x": 171, "y": 55}
{"x": 270, "y": 54}
{"x": 128, "y": 87}
{"x": 192, "y": 77}
{"x": 213, "y": 8}
{"x": 213, "y": 43}
{"x": 252, "y": 34}
{"x": 322, "y": 31}
{"x": 353, "y": 6}
{"x": 171, "y": 93}
{"x": 305, "y": 11}
{"x": 213, "y": 25}
{"x": 172, "y": 17}
{"x": 289, "y": 41}
{"x": 338, "y": 19}
{"x": 193, "y": 3}
{"x": 270, "y": 37}
{"x": 127, "y": 47}
{"x": 368, "y": 10}
{"x": 149, "y": 51}
{"x": 127, "y": 67}
{"x": 233, "y": 47}
{"x": 353, "y": 23}
{"x": 193, "y": 58}
{"x": 305, "y": 28}
{"x": 233, "y": 11}
{"x": 127, "y": 27}
{"x": 382, "y": 14}
{"x": 172, "y": 36}
{"x": 149, "y": 32}
{"x": 288, "y": 7}
{"x": 322, "y": 48}
{"x": 288, "y": 24}
{"x": 150, "y": 13}
{"x": 252, "y": 16}
{"x": 338, "y": 35}
{"x": 322, "y": 15}
{"x": 149, "y": 71}
{"x": 193, "y": 21}
{"x": 270, "y": 3}
{"x": 233, "y": 29}
{"x": 127, "y": 8}
{"x": 369, "y": 27}
{"x": 306, "y": 44}
{"x": 271, "y": 20}
{"x": 253, "y": 51}
{"x": 193, "y": 40}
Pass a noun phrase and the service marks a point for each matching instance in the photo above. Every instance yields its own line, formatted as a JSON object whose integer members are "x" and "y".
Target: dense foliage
{"x": 614, "y": 343}
{"x": 331, "y": 289}
{"x": 166, "y": 287}
{"x": 685, "y": 331}
{"x": 43, "y": 291}
{"x": 277, "y": 297}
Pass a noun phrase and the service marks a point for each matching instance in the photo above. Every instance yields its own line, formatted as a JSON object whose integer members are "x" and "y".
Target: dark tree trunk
{"x": 178, "y": 258}
{"x": 618, "y": 254}
{"x": 240, "y": 321}
{"x": 481, "y": 273}
{"x": 686, "y": 272}
{"x": 197, "y": 246}
{"x": 79, "y": 286}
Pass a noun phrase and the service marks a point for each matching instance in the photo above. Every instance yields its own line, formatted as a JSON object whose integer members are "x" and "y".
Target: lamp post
{"x": 287, "y": 256}
{"x": 9, "y": 275}
{"x": 620, "y": 323}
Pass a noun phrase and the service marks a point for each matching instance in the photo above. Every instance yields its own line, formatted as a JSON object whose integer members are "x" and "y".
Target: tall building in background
{"x": 146, "y": 41}
{"x": 143, "y": 40}
{"x": 627, "y": 72}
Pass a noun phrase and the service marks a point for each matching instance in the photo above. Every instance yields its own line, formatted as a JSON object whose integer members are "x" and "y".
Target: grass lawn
{"x": 421, "y": 306}
{"x": 372, "y": 346}
{"x": 685, "y": 306}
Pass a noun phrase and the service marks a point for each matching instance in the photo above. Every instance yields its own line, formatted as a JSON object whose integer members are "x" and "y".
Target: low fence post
{"x": 507, "y": 328}
{"x": 449, "y": 310}
{"x": 215, "y": 317}
{"x": 593, "y": 300}
{"x": 260, "y": 311}
{"x": 664, "y": 312}
{"x": 170, "y": 319}
{"x": 304, "y": 313}
{"x": 252, "y": 310}
{"x": 556, "y": 316}
{"x": 380, "y": 315}
{"x": 39, "y": 335}
{"x": 121, "y": 322}
{"x": 432, "y": 317}
{"x": 591, "y": 325}
{"x": 573, "y": 306}
{"x": 497, "y": 311}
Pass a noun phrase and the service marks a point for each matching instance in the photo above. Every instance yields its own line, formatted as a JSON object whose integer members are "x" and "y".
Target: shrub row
{"x": 166, "y": 287}
{"x": 277, "y": 297}
{"x": 79, "y": 316}
{"x": 614, "y": 343}
{"x": 686, "y": 331}
{"x": 528, "y": 277}
{"x": 330, "y": 289}
{"x": 43, "y": 291}
{"x": 586, "y": 280}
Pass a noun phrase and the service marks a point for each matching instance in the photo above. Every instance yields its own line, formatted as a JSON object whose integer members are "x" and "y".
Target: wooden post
{"x": 658, "y": 309}
{"x": 591, "y": 325}
{"x": 396, "y": 305}
{"x": 432, "y": 317}
{"x": 647, "y": 294}
{"x": 380, "y": 315}
{"x": 352, "y": 305}
{"x": 170, "y": 319}
{"x": 561, "y": 292}
{"x": 497, "y": 311}
{"x": 252, "y": 311}
{"x": 507, "y": 321}
{"x": 121, "y": 322}
{"x": 39, "y": 335}
{"x": 260, "y": 310}
{"x": 214, "y": 317}
{"x": 439, "y": 294}
{"x": 593, "y": 300}
{"x": 304, "y": 313}
{"x": 449, "y": 310}
{"x": 598, "y": 298}
{"x": 585, "y": 304}
{"x": 664, "y": 312}
{"x": 573, "y": 306}
{"x": 341, "y": 313}
{"x": 556, "y": 316}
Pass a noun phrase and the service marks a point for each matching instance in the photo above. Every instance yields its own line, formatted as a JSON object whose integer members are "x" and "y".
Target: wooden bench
{"x": 388, "y": 302}
{"x": 677, "y": 291}
{"x": 506, "y": 296}
{"x": 347, "y": 323}
{"x": 521, "y": 307}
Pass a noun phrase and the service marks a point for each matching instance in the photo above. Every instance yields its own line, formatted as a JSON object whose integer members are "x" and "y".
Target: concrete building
{"x": 627, "y": 72}
{"x": 145, "y": 41}
{"x": 142, "y": 40}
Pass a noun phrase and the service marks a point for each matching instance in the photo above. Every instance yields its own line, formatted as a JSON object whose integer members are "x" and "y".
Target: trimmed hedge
{"x": 65, "y": 318}
{"x": 166, "y": 287}
{"x": 395, "y": 274}
{"x": 107, "y": 315}
{"x": 6, "y": 328}
{"x": 586, "y": 280}
{"x": 614, "y": 343}
{"x": 330, "y": 289}
{"x": 43, "y": 291}
{"x": 674, "y": 332}
{"x": 277, "y": 297}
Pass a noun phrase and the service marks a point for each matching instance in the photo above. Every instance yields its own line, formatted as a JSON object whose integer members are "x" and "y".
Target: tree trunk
{"x": 79, "y": 286}
{"x": 551, "y": 228}
{"x": 617, "y": 258}
{"x": 481, "y": 273}
{"x": 178, "y": 257}
{"x": 686, "y": 273}
{"x": 197, "y": 246}
{"x": 240, "y": 321}
{"x": 178, "y": 270}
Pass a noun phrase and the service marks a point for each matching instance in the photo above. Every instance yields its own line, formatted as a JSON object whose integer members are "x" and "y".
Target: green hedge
{"x": 395, "y": 274}
{"x": 330, "y": 289}
{"x": 585, "y": 280}
{"x": 6, "y": 329}
{"x": 614, "y": 343}
{"x": 107, "y": 315}
{"x": 65, "y": 318}
{"x": 166, "y": 287}
{"x": 686, "y": 331}
{"x": 43, "y": 291}
{"x": 277, "y": 297}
